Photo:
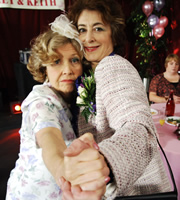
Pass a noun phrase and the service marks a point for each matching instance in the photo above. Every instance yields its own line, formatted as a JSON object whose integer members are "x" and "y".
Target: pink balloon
{"x": 163, "y": 21}
{"x": 158, "y": 31}
{"x": 147, "y": 8}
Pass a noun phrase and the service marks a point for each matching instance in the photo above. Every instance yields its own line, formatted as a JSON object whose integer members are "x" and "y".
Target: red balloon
{"x": 147, "y": 8}
{"x": 158, "y": 31}
{"x": 163, "y": 21}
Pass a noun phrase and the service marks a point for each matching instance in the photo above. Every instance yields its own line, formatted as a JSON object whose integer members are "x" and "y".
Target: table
{"x": 169, "y": 141}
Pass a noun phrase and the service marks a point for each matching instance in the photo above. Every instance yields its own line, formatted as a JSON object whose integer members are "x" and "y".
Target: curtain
{"x": 18, "y": 27}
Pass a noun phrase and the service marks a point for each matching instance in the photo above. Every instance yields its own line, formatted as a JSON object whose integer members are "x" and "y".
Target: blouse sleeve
{"x": 123, "y": 103}
{"x": 42, "y": 114}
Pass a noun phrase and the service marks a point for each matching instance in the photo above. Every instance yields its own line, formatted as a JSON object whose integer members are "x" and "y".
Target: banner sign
{"x": 33, "y": 4}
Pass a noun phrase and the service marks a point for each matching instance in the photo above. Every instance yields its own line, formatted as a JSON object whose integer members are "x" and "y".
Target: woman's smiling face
{"x": 95, "y": 36}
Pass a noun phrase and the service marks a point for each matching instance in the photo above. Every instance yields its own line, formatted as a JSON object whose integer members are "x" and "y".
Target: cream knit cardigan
{"x": 124, "y": 130}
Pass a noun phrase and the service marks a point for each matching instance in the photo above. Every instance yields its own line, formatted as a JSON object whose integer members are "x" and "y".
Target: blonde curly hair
{"x": 43, "y": 52}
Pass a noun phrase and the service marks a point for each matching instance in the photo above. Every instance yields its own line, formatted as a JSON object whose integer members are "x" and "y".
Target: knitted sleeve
{"x": 122, "y": 105}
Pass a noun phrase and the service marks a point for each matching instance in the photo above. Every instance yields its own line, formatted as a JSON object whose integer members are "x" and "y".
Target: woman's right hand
{"x": 88, "y": 169}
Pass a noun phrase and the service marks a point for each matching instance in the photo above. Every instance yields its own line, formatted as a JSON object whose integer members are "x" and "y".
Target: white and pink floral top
{"x": 30, "y": 179}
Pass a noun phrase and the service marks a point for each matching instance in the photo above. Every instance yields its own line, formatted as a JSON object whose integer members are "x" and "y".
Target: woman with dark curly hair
{"x": 123, "y": 125}
{"x": 111, "y": 16}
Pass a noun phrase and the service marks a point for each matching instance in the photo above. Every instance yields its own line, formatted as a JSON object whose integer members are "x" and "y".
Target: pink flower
{"x": 61, "y": 124}
{"x": 21, "y": 168}
{"x": 55, "y": 96}
{"x": 23, "y": 183}
{"x": 70, "y": 136}
{"x": 34, "y": 116}
{"x": 39, "y": 105}
{"x": 44, "y": 183}
{"x": 53, "y": 195}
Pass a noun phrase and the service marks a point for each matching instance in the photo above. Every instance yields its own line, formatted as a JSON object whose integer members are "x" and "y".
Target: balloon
{"x": 158, "y": 31}
{"x": 163, "y": 21}
{"x": 147, "y": 8}
{"x": 159, "y": 4}
{"x": 152, "y": 21}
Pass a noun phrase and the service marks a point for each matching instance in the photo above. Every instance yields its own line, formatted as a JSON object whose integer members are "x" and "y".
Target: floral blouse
{"x": 30, "y": 179}
{"x": 162, "y": 86}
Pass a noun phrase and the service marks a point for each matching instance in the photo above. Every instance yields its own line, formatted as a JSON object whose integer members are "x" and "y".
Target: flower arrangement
{"x": 86, "y": 88}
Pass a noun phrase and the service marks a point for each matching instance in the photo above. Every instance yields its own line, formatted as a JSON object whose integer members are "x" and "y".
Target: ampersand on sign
{"x": 20, "y": 2}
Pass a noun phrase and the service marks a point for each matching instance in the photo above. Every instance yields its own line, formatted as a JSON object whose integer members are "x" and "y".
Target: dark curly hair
{"x": 111, "y": 13}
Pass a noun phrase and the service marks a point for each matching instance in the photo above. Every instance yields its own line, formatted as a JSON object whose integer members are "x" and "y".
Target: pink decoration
{"x": 163, "y": 21}
{"x": 152, "y": 21}
{"x": 158, "y": 31}
{"x": 147, "y": 8}
{"x": 151, "y": 33}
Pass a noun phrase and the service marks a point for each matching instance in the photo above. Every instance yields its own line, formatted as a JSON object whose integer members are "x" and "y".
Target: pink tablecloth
{"x": 169, "y": 141}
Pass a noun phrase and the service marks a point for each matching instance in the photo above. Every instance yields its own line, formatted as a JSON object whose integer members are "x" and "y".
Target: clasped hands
{"x": 86, "y": 171}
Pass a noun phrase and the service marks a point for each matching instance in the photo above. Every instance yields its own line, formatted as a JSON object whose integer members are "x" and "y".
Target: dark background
{"x": 19, "y": 26}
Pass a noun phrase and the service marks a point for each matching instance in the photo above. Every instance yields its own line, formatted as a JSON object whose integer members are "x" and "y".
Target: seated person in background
{"x": 161, "y": 84}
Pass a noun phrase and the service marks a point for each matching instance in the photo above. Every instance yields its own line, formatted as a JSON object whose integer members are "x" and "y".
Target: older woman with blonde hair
{"x": 161, "y": 84}
{"x": 46, "y": 129}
